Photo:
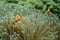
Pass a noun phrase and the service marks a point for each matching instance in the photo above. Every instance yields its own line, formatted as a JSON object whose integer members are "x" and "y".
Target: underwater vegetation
{"x": 22, "y": 23}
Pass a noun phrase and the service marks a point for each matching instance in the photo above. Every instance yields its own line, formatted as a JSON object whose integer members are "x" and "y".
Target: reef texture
{"x": 32, "y": 25}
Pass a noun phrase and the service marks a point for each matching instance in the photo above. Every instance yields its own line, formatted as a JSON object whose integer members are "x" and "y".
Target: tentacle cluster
{"x": 33, "y": 25}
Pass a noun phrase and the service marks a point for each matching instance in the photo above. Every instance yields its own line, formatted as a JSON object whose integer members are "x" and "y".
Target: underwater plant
{"x": 22, "y": 23}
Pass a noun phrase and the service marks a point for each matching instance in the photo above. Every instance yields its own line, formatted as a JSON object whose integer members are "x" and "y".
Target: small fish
{"x": 36, "y": 15}
{"x": 17, "y": 18}
{"x": 48, "y": 11}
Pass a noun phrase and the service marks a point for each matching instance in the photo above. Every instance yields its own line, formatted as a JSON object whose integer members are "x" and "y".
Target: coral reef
{"x": 31, "y": 24}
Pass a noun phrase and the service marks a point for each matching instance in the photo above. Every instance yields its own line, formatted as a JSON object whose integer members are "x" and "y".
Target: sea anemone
{"x": 33, "y": 24}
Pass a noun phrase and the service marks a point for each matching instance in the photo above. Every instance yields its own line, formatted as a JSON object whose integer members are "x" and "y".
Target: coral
{"x": 33, "y": 24}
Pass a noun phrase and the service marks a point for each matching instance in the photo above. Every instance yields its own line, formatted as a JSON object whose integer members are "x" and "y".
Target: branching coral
{"x": 33, "y": 25}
